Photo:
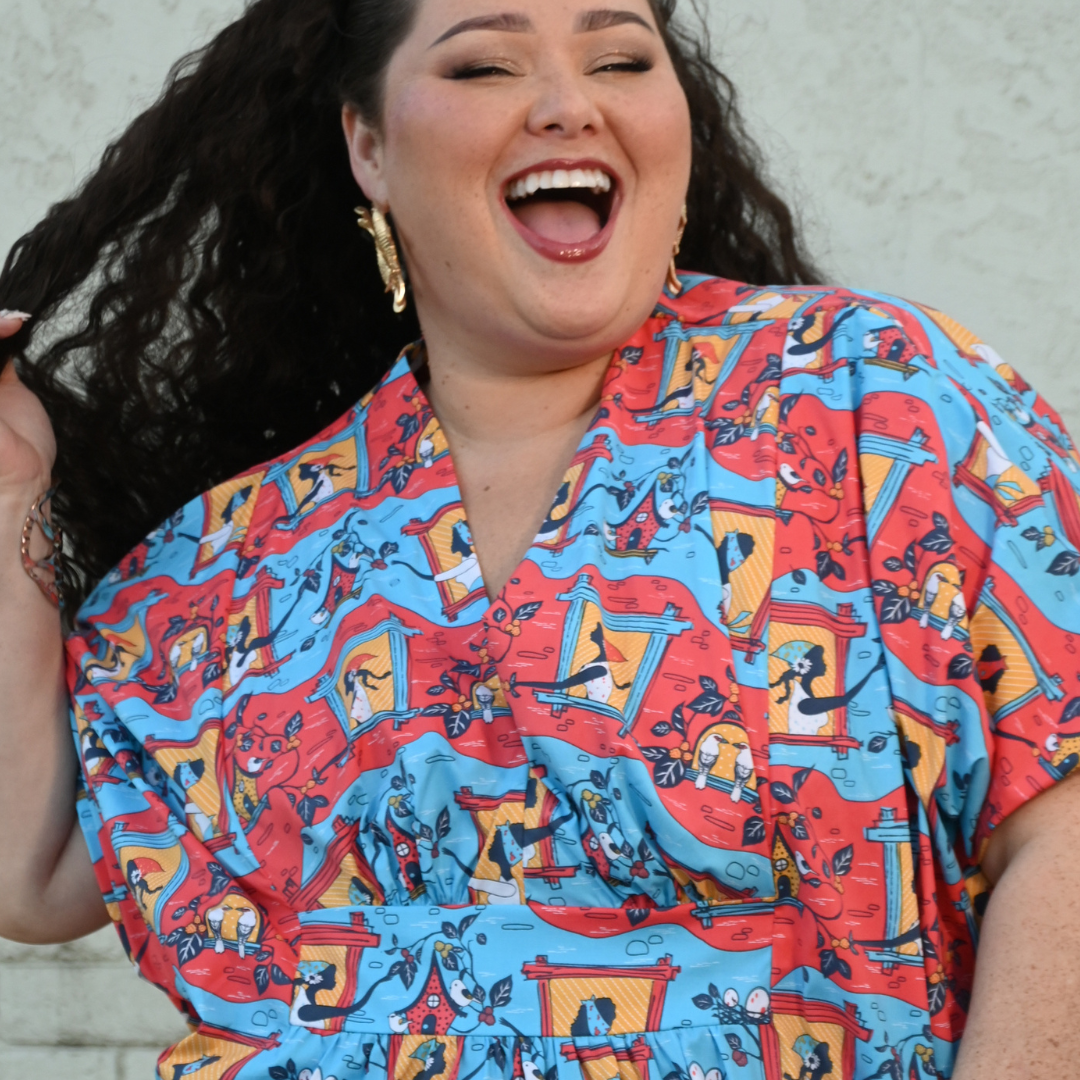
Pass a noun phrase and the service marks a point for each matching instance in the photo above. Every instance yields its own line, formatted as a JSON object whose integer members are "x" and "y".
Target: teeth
{"x": 595, "y": 180}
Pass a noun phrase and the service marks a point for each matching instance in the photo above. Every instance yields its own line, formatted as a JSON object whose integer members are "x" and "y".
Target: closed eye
{"x": 482, "y": 71}
{"x": 638, "y": 64}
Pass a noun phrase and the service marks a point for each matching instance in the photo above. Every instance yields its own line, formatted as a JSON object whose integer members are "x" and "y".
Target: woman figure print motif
{"x": 647, "y": 814}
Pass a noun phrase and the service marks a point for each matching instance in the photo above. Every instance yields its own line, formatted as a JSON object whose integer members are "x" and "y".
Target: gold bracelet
{"x": 47, "y": 573}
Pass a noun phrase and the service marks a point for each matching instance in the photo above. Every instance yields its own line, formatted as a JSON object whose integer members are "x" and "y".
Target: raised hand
{"x": 27, "y": 441}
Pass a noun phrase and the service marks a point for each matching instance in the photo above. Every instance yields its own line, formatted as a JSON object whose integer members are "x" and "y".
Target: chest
{"x": 508, "y": 487}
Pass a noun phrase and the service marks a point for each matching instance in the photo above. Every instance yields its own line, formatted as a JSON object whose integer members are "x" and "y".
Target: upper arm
{"x": 976, "y": 577}
{"x": 1052, "y": 817}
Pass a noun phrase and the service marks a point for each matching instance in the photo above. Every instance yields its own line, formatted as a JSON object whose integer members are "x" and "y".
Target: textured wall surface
{"x": 934, "y": 149}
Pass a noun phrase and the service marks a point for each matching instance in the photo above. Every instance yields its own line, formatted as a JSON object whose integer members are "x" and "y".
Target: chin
{"x": 591, "y": 311}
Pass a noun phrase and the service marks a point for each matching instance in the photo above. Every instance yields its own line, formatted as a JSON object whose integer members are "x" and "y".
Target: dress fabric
{"x": 702, "y": 794}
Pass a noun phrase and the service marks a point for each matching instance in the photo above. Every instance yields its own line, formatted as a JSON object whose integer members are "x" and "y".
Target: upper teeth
{"x": 595, "y": 180}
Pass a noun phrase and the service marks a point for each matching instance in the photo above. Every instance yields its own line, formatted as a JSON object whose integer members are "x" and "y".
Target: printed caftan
{"x": 702, "y": 794}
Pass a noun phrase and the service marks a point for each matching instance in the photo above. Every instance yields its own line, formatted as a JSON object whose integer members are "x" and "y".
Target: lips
{"x": 564, "y": 210}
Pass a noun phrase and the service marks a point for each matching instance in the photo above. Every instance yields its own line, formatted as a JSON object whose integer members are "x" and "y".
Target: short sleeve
{"x": 970, "y": 488}
{"x": 148, "y": 667}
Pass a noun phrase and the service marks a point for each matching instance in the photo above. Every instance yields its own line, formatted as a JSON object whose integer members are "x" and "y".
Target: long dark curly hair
{"x": 206, "y": 302}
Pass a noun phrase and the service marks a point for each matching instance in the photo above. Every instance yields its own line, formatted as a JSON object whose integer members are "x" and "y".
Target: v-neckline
{"x": 414, "y": 359}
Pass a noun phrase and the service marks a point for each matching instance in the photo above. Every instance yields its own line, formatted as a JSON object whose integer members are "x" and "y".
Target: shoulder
{"x": 909, "y": 357}
{"x": 808, "y": 320}
{"x": 848, "y": 346}
{"x": 805, "y": 321}
{"x": 221, "y": 536}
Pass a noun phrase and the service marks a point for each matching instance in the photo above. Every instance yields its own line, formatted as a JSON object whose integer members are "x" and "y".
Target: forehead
{"x": 523, "y": 16}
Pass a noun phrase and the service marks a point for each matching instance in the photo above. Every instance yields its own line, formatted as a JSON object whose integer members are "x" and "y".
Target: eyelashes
{"x": 631, "y": 65}
{"x": 481, "y": 71}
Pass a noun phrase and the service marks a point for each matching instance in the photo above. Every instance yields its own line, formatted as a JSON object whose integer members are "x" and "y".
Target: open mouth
{"x": 564, "y": 212}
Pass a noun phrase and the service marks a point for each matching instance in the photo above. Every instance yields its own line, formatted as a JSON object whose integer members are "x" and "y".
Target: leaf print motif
{"x": 435, "y": 793}
{"x": 1066, "y": 563}
{"x": 832, "y": 964}
{"x": 961, "y": 666}
{"x": 669, "y": 773}
{"x": 781, "y": 792}
{"x": 501, "y": 992}
{"x": 710, "y": 700}
{"x": 842, "y": 860}
{"x": 189, "y": 947}
{"x": 839, "y": 470}
{"x": 753, "y": 831}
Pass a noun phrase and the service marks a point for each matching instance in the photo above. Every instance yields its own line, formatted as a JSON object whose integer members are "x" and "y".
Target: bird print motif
{"x": 702, "y": 794}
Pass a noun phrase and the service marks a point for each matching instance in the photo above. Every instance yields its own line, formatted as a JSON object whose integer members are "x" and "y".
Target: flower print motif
{"x": 462, "y": 687}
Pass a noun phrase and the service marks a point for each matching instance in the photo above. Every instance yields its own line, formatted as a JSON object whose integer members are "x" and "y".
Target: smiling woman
{"x": 253, "y": 204}
{"x": 646, "y": 672}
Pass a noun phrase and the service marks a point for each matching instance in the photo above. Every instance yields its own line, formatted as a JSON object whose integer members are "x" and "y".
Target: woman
{"x": 394, "y": 764}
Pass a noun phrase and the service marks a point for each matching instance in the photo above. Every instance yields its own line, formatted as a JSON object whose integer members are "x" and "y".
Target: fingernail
{"x": 5, "y": 314}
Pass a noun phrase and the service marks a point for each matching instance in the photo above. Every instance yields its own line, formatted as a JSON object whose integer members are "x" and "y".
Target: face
{"x": 534, "y": 156}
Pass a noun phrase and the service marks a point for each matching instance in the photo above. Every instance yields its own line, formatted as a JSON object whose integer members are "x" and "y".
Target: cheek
{"x": 431, "y": 168}
{"x": 654, "y": 128}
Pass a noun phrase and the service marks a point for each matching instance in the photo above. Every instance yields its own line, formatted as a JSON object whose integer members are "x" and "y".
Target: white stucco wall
{"x": 934, "y": 149}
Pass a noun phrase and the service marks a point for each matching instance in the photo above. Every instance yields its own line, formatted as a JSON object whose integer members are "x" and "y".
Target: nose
{"x": 564, "y": 107}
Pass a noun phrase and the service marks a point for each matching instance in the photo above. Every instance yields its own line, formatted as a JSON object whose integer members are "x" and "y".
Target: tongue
{"x": 564, "y": 222}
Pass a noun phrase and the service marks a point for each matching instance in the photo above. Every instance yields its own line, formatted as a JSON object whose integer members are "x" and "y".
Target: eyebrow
{"x": 511, "y": 23}
{"x": 604, "y": 18}
{"x": 508, "y": 24}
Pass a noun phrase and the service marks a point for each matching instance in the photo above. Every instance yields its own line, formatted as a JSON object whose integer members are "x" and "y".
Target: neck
{"x": 486, "y": 398}
{"x": 512, "y": 422}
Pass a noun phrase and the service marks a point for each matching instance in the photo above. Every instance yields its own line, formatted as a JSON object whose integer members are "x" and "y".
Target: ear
{"x": 365, "y": 156}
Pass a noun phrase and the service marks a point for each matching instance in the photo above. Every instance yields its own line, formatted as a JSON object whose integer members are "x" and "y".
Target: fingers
{"x": 11, "y": 322}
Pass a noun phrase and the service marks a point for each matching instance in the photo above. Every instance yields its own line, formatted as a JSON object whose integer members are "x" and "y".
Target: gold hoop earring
{"x": 674, "y": 285}
{"x": 374, "y": 222}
